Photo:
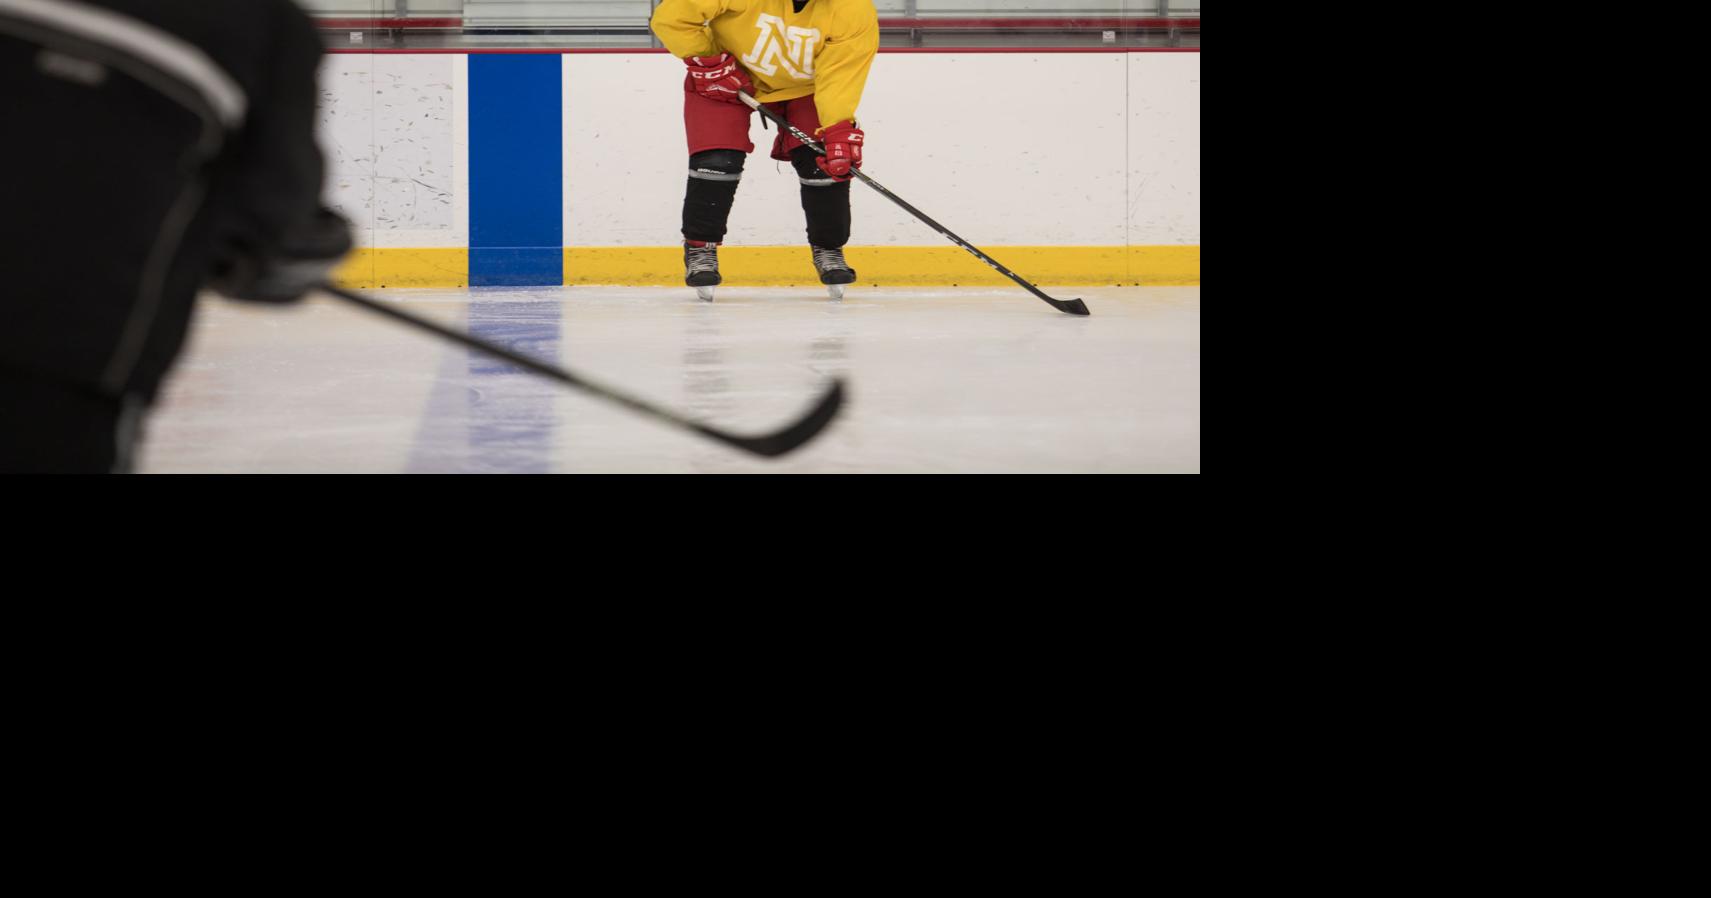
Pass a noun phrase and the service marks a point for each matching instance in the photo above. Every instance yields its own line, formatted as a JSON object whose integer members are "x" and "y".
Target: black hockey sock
{"x": 825, "y": 202}
{"x": 713, "y": 179}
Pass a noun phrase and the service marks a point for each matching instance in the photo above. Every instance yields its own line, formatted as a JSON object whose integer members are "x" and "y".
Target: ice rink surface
{"x": 940, "y": 381}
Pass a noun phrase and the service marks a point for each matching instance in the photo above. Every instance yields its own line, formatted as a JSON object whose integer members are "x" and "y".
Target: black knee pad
{"x": 825, "y": 202}
{"x": 713, "y": 177}
{"x": 717, "y": 162}
{"x": 806, "y": 168}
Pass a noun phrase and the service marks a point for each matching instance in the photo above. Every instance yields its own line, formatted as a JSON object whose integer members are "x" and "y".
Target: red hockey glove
{"x": 718, "y": 77}
{"x": 843, "y": 150}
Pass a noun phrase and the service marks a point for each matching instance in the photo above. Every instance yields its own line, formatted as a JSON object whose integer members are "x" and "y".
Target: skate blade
{"x": 704, "y": 293}
{"x": 836, "y": 291}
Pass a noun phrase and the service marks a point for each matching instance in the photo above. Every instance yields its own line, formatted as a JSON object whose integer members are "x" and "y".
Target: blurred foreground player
{"x": 151, "y": 148}
{"x": 807, "y": 60}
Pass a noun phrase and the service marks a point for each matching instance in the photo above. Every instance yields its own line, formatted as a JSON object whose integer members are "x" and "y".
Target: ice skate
{"x": 834, "y": 271}
{"x": 701, "y": 267}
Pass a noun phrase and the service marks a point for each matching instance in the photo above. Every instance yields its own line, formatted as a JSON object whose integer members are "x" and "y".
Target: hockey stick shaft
{"x": 1073, "y": 306}
{"x": 770, "y": 445}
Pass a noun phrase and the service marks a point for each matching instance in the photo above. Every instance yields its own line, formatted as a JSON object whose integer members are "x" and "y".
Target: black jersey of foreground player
{"x": 151, "y": 148}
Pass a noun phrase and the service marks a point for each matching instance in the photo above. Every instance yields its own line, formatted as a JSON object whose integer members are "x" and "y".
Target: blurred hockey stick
{"x": 770, "y": 446}
{"x": 1073, "y": 306}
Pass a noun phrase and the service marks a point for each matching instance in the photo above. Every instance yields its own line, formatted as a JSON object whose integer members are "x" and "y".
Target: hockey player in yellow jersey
{"x": 807, "y": 60}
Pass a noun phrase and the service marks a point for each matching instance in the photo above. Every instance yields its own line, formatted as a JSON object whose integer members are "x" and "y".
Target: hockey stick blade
{"x": 1071, "y": 306}
{"x": 786, "y": 439}
{"x": 789, "y": 438}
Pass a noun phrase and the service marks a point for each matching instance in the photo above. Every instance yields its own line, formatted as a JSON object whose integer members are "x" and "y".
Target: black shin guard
{"x": 713, "y": 178}
{"x": 825, "y": 202}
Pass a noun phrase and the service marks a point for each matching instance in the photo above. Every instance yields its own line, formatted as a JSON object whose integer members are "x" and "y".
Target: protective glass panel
{"x": 570, "y": 24}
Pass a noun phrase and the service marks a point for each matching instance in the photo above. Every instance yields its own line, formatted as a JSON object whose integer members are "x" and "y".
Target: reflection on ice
{"x": 941, "y": 381}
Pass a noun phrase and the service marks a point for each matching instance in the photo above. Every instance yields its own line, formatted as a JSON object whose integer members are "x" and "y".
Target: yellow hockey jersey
{"x": 824, "y": 50}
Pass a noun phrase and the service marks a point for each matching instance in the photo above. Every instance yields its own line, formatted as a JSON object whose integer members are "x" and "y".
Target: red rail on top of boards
{"x": 915, "y": 23}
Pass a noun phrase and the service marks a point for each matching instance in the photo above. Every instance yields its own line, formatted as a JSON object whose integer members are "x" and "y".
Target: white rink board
{"x": 1164, "y": 149}
{"x": 1075, "y": 149}
{"x": 396, "y": 130}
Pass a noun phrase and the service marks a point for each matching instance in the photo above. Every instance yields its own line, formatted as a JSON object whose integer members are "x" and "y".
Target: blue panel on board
{"x": 516, "y": 170}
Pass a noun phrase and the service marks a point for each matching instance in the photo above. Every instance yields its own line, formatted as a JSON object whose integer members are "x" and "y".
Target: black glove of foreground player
{"x": 302, "y": 262}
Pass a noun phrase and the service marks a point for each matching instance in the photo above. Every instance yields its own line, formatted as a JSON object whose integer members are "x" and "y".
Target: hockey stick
{"x": 1073, "y": 306}
{"x": 771, "y": 445}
